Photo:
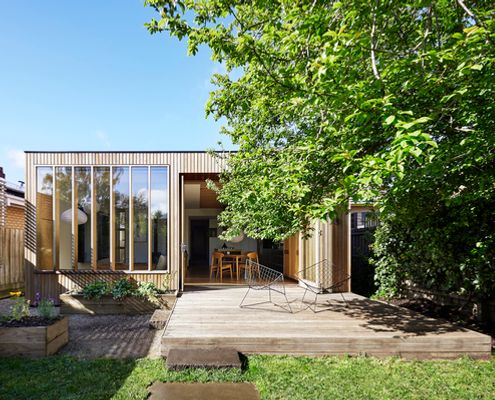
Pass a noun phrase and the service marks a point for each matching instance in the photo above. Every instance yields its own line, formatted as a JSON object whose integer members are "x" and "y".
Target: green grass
{"x": 276, "y": 377}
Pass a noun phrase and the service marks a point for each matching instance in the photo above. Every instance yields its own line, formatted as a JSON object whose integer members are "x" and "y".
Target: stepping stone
{"x": 211, "y": 357}
{"x": 159, "y": 319}
{"x": 204, "y": 391}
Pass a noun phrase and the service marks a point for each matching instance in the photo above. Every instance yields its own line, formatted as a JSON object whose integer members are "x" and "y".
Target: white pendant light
{"x": 238, "y": 238}
{"x": 66, "y": 216}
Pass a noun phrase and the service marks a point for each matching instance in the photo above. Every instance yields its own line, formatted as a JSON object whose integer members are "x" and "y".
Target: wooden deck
{"x": 212, "y": 317}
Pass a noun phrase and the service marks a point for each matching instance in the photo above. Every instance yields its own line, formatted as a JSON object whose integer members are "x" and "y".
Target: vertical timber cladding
{"x": 178, "y": 163}
{"x": 341, "y": 249}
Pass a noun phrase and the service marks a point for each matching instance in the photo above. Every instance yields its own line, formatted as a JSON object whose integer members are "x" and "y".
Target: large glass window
{"x": 121, "y": 217}
{"x": 159, "y": 216}
{"x": 102, "y": 201}
{"x": 44, "y": 217}
{"x": 102, "y": 217}
{"x": 140, "y": 217}
{"x": 82, "y": 191}
{"x": 64, "y": 215}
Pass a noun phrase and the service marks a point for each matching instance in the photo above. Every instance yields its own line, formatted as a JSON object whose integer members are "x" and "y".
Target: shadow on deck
{"x": 210, "y": 316}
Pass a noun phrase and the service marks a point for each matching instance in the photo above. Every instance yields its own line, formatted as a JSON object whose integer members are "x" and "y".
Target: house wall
{"x": 178, "y": 162}
{"x": 331, "y": 242}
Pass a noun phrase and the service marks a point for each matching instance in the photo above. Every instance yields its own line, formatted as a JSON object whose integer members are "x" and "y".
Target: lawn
{"x": 277, "y": 377}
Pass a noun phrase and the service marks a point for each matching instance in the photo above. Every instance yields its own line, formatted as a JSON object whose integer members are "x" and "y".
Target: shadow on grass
{"x": 62, "y": 377}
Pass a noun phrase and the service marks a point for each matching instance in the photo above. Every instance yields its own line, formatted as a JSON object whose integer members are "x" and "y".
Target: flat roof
{"x": 130, "y": 151}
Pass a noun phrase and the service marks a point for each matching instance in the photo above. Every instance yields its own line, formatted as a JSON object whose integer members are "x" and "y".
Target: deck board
{"x": 213, "y": 318}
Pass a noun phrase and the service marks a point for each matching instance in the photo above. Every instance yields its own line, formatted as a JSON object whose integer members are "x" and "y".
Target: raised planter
{"x": 34, "y": 341}
{"x": 75, "y": 303}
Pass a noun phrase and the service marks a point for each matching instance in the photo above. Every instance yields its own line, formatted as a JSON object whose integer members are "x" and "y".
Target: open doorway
{"x": 200, "y": 234}
{"x": 199, "y": 243}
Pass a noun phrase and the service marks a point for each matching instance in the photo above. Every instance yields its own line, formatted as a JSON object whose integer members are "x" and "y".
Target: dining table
{"x": 235, "y": 258}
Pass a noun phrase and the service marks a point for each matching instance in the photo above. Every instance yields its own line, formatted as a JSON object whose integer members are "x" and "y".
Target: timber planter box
{"x": 34, "y": 341}
{"x": 75, "y": 303}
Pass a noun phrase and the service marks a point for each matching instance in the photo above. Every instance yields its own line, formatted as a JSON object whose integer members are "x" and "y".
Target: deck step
{"x": 203, "y": 357}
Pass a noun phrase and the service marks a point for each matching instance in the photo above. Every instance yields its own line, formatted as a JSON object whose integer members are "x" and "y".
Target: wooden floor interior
{"x": 210, "y": 316}
{"x": 200, "y": 275}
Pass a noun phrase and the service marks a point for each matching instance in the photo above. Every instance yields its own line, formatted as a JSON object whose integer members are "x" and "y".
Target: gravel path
{"x": 112, "y": 336}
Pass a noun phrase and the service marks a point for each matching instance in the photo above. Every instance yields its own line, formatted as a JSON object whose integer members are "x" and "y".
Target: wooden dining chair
{"x": 251, "y": 256}
{"x": 218, "y": 266}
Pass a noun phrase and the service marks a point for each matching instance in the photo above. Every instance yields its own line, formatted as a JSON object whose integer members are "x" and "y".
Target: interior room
{"x": 201, "y": 230}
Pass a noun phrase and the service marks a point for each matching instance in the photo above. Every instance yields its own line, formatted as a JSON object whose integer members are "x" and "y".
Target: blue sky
{"x": 88, "y": 76}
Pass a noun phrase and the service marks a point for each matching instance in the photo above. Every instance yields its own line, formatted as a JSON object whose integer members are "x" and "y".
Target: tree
{"x": 338, "y": 101}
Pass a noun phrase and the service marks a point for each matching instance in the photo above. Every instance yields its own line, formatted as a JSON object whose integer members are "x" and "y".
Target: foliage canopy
{"x": 385, "y": 101}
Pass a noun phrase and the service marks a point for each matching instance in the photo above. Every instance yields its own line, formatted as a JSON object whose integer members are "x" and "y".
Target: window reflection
{"x": 64, "y": 215}
{"x": 82, "y": 189}
{"x": 44, "y": 217}
{"x": 121, "y": 217}
{"x": 79, "y": 219}
{"x": 102, "y": 201}
{"x": 159, "y": 216}
{"x": 140, "y": 217}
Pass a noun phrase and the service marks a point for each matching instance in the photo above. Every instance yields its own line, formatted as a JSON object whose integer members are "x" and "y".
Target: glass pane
{"x": 102, "y": 201}
{"x": 82, "y": 180}
{"x": 44, "y": 218}
{"x": 159, "y": 217}
{"x": 63, "y": 207}
{"x": 121, "y": 217}
{"x": 140, "y": 214}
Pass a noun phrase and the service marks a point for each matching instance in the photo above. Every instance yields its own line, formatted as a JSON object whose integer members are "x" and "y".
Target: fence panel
{"x": 11, "y": 259}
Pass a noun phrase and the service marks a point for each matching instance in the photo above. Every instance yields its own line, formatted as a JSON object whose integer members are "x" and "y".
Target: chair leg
{"x": 343, "y": 298}
{"x": 304, "y": 295}
{"x": 242, "y": 301}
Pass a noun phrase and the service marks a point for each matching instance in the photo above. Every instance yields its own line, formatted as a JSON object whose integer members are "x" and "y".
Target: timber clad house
{"x": 145, "y": 215}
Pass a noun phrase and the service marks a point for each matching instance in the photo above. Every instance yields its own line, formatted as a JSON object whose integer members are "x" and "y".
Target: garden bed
{"x": 33, "y": 336}
{"x": 75, "y": 303}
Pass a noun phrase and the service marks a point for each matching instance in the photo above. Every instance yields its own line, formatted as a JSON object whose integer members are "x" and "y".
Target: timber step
{"x": 205, "y": 391}
{"x": 203, "y": 357}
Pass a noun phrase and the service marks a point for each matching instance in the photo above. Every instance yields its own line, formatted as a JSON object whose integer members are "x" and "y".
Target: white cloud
{"x": 16, "y": 157}
{"x": 103, "y": 138}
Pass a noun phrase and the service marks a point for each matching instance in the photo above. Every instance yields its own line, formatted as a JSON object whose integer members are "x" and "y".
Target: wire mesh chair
{"x": 260, "y": 277}
{"x": 319, "y": 279}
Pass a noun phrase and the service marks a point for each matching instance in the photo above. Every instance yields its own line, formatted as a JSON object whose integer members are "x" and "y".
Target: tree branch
{"x": 373, "y": 45}
{"x": 478, "y": 21}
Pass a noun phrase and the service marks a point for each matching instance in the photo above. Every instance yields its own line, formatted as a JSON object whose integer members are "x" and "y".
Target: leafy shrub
{"x": 20, "y": 309}
{"x": 95, "y": 290}
{"x": 149, "y": 291}
{"x": 122, "y": 288}
{"x": 46, "y": 308}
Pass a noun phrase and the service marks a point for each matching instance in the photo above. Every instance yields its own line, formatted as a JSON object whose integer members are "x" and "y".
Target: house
{"x": 145, "y": 215}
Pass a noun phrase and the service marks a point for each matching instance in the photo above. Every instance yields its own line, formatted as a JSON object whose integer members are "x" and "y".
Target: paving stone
{"x": 203, "y": 391}
{"x": 159, "y": 319}
{"x": 211, "y": 357}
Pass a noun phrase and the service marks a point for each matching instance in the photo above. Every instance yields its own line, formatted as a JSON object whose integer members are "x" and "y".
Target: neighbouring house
{"x": 145, "y": 215}
{"x": 12, "y": 203}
